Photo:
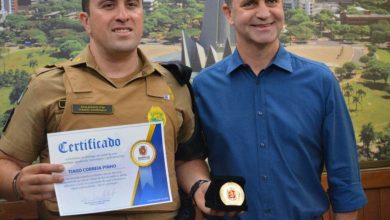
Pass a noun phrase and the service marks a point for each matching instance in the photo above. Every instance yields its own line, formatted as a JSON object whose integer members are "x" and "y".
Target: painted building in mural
{"x": 9, "y": 6}
{"x": 13, "y": 6}
{"x": 150, "y": 5}
{"x": 216, "y": 39}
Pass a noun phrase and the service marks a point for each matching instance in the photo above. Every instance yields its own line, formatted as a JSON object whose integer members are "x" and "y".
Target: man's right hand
{"x": 36, "y": 182}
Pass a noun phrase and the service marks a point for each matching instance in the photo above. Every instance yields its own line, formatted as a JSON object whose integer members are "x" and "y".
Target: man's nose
{"x": 262, "y": 10}
{"x": 123, "y": 14}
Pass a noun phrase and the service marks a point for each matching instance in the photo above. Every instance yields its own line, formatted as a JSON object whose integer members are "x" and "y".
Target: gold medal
{"x": 232, "y": 194}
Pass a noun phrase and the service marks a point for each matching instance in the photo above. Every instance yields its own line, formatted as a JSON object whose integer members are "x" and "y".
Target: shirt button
{"x": 260, "y": 113}
{"x": 267, "y": 211}
{"x": 264, "y": 177}
{"x": 262, "y": 145}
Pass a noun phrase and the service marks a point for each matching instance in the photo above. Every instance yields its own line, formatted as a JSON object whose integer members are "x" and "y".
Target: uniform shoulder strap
{"x": 48, "y": 68}
{"x": 182, "y": 73}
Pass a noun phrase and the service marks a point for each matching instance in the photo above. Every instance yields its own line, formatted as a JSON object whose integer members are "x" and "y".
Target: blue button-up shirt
{"x": 278, "y": 130}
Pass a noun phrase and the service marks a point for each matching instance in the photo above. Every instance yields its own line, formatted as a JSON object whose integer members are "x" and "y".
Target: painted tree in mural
{"x": 20, "y": 80}
{"x": 356, "y": 101}
{"x": 360, "y": 93}
{"x": 377, "y": 70}
{"x": 349, "y": 67}
{"x": 188, "y": 14}
{"x": 348, "y": 89}
{"x": 367, "y": 135}
{"x": 384, "y": 143}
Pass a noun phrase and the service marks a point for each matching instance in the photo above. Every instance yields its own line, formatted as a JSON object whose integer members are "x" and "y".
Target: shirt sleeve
{"x": 341, "y": 157}
{"x": 35, "y": 116}
{"x": 26, "y": 129}
{"x": 183, "y": 105}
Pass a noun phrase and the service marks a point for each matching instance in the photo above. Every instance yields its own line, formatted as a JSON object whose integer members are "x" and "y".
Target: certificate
{"x": 110, "y": 168}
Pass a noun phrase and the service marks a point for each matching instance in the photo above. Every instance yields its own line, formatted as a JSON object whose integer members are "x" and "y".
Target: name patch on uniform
{"x": 92, "y": 109}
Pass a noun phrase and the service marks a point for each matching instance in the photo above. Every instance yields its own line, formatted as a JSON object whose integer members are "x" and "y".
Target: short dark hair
{"x": 85, "y": 5}
{"x": 228, "y": 2}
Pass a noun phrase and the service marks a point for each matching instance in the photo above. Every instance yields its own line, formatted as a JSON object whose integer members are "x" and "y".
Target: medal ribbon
{"x": 145, "y": 173}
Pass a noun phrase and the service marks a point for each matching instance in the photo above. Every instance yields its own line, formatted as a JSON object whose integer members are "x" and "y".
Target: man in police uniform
{"x": 111, "y": 74}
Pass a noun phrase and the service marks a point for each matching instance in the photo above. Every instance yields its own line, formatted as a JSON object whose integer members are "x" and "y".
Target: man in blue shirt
{"x": 277, "y": 119}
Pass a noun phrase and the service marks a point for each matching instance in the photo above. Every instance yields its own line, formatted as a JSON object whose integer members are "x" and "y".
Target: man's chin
{"x": 266, "y": 40}
{"x": 123, "y": 49}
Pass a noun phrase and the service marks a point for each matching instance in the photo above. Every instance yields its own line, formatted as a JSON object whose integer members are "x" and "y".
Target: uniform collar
{"x": 282, "y": 60}
{"x": 85, "y": 58}
{"x": 147, "y": 67}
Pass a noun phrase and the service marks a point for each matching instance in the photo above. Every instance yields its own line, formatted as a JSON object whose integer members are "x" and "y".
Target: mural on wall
{"x": 352, "y": 39}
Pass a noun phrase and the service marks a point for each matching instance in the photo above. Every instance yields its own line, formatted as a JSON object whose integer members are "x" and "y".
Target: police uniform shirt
{"x": 150, "y": 94}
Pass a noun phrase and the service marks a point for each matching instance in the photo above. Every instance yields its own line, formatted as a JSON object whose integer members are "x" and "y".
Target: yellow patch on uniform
{"x": 171, "y": 96}
{"x": 77, "y": 59}
{"x": 156, "y": 114}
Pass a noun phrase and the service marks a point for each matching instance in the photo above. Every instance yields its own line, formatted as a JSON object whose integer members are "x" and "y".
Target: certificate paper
{"x": 110, "y": 168}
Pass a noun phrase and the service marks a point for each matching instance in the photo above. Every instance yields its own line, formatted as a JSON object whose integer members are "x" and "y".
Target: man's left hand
{"x": 200, "y": 201}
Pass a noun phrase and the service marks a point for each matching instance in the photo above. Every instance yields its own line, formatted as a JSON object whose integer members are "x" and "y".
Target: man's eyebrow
{"x": 249, "y": 1}
{"x": 98, "y": 2}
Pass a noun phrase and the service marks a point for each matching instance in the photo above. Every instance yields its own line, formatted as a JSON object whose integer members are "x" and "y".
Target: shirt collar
{"x": 282, "y": 60}
{"x": 235, "y": 62}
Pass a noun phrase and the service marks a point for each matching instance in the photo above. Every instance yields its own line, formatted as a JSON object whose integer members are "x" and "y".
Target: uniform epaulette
{"x": 182, "y": 73}
{"x": 160, "y": 68}
{"x": 49, "y": 68}
{"x": 75, "y": 61}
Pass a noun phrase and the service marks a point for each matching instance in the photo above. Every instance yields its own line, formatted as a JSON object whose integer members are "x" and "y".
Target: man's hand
{"x": 199, "y": 198}
{"x": 188, "y": 172}
{"x": 36, "y": 183}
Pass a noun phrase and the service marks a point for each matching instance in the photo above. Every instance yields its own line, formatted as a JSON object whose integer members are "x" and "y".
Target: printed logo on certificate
{"x": 143, "y": 153}
{"x": 110, "y": 168}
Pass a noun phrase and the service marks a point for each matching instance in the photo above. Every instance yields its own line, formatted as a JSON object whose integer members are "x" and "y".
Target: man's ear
{"x": 84, "y": 19}
{"x": 228, "y": 13}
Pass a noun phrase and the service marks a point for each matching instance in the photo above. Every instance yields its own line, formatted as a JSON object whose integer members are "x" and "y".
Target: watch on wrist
{"x": 14, "y": 189}
{"x": 195, "y": 187}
